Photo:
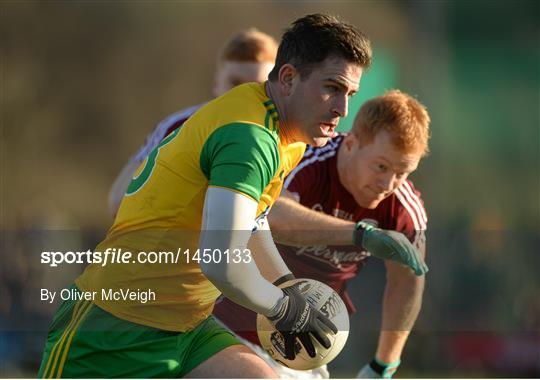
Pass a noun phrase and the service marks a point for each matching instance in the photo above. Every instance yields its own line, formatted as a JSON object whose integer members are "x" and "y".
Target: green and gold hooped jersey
{"x": 232, "y": 142}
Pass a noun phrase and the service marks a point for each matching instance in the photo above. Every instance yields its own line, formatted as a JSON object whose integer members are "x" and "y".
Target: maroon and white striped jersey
{"x": 316, "y": 185}
{"x": 166, "y": 126}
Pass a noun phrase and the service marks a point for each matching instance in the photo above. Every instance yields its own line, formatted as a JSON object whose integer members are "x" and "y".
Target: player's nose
{"x": 341, "y": 106}
{"x": 386, "y": 182}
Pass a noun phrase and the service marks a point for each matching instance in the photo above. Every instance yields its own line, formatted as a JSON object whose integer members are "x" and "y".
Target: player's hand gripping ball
{"x": 329, "y": 303}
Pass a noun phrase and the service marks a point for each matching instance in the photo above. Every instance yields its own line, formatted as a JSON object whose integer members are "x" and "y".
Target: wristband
{"x": 386, "y": 370}
{"x": 283, "y": 279}
{"x": 279, "y": 308}
{"x": 359, "y": 229}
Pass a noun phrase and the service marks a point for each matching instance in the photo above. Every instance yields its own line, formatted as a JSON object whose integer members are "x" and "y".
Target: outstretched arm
{"x": 298, "y": 225}
{"x": 295, "y": 224}
{"x": 401, "y": 305}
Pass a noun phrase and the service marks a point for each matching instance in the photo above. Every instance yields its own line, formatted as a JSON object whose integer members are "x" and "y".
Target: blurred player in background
{"x": 357, "y": 177}
{"x": 246, "y": 57}
{"x": 205, "y": 188}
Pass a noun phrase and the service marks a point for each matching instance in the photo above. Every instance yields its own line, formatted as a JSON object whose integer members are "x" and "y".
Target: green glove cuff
{"x": 386, "y": 370}
{"x": 359, "y": 230}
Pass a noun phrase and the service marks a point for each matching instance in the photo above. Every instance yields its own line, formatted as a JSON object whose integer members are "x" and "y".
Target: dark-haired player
{"x": 203, "y": 189}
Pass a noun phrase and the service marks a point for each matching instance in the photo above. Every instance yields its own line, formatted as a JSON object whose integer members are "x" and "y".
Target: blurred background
{"x": 82, "y": 83}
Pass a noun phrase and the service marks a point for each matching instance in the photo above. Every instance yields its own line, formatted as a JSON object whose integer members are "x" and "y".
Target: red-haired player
{"x": 357, "y": 179}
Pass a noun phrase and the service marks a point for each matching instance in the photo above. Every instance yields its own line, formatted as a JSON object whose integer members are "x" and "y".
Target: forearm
{"x": 227, "y": 221}
{"x": 266, "y": 254}
{"x": 240, "y": 282}
{"x": 294, "y": 224}
{"x": 401, "y": 305}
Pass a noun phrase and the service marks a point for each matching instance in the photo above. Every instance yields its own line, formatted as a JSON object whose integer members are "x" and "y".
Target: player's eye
{"x": 333, "y": 89}
{"x": 381, "y": 168}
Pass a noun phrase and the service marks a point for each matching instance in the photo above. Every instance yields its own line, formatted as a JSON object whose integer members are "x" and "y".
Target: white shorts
{"x": 285, "y": 372}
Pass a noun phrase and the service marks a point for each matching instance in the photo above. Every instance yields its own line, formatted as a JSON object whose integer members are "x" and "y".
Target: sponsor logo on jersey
{"x": 334, "y": 257}
{"x": 342, "y": 214}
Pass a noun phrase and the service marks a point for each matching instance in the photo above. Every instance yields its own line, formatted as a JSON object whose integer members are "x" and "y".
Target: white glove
{"x": 378, "y": 370}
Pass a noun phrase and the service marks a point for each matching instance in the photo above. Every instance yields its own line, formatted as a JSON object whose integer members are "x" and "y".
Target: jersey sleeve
{"x": 242, "y": 157}
{"x": 411, "y": 214}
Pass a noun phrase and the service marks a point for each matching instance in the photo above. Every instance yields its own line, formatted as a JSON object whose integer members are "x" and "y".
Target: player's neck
{"x": 285, "y": 131}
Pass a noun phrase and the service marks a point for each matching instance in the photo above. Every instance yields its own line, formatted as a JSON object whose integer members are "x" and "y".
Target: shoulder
{"x": 164, "y": 128}
{"x": 174, "y": 121}
{"x": 292, "y": 154}
{"x": 244, "y": 104}
{"x": 321, "y": 153}
{"x": 315, "y": 160}
{"x": 409, "y": 207}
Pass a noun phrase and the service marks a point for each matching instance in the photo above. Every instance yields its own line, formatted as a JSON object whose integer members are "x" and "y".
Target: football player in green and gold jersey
{"x": 201, "y": 193}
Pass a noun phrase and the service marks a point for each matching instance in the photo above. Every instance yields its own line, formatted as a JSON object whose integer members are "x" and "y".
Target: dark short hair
{"x": 313, "y": 38}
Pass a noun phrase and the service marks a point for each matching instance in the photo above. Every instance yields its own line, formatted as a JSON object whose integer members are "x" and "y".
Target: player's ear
{"x": 216, "y": 90}
{"x": 287, "y": 77}
{"x": 350, "y": 142}
{"x": 219, "y": 81}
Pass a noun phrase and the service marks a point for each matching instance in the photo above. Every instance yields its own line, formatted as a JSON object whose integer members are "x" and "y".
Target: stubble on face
{"x": 319, "y": 100}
